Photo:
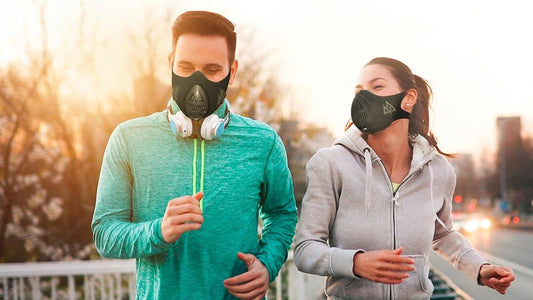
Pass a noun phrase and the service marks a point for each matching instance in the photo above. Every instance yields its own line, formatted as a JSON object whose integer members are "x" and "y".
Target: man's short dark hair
{"x": 207, "y": 24}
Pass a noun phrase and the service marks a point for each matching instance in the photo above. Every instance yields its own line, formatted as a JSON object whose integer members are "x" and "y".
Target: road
{"x": 510, "y": 247}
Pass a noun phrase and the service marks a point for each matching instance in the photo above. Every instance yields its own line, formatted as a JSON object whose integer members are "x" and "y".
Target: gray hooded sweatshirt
{"x": 350, "y": 207}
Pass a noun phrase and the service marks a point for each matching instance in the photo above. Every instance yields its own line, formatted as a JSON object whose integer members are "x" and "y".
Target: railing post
{"x": 35, "y": 288}
{"x": 86, "y": 287}
{"x": 102, "y": 286}
{"x": 118, "y": 278}
{"x": 91, "y": 288}
{"x": 53, "y": 282}
{"x": 297, "y": 284}
{"x": 6, "y": 289}
{"x": 132, "y": 286}
{"x": 71, "y": 288}
{"x": 21, "y": 287}
{"x": 278, "y": 287}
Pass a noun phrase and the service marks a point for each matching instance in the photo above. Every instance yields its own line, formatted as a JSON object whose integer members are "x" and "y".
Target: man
{"x": 182, "y": 190}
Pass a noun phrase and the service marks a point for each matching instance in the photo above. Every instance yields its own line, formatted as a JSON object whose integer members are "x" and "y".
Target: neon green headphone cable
{"x": 202, "y": 149}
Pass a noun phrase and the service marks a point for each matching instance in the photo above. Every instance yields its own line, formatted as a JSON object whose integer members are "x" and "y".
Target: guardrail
{"x": 115, "y": 279}
{"x": 95, "y": 279}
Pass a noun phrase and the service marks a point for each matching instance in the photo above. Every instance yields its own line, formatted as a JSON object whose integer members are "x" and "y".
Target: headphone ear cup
{"x": 212, "y": 127}
{"x": 180, "y": 124}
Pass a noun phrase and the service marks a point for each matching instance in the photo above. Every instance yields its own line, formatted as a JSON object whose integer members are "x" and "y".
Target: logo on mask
{"x": 388, "y": 109}
{"x": 195, "y": 104}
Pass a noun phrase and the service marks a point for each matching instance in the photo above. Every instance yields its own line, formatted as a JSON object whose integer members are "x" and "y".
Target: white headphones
{"x": 212, "y": 126}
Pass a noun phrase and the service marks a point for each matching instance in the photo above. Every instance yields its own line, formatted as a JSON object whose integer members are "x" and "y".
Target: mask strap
{"x": 227, "y": 116}
{"x": 169, "y": 109}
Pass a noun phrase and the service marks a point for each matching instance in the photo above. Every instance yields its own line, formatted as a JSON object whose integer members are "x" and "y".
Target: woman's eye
{"x": 377, "y": 87}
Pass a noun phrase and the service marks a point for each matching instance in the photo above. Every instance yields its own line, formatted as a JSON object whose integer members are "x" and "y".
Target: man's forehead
{"x": 195, "y": 48}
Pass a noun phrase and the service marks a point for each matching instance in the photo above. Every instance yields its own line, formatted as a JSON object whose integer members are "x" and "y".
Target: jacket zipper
{"x": 393, "y": 203}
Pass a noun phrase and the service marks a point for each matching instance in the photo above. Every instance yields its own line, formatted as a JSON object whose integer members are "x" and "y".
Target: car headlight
{"x": 485, "y": 223}
{"x": 471, "y": 226}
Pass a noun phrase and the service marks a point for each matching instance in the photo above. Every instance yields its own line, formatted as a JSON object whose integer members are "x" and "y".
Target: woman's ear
{"x": 409, "y": 100}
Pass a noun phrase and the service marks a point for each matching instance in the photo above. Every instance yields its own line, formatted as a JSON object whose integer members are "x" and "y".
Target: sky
{"x": 476, "y": 55}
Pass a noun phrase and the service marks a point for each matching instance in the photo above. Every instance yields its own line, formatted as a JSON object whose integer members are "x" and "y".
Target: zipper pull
{"x": 395, "y": 198}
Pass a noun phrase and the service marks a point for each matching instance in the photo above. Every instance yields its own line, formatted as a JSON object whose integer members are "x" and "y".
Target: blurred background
{"x": 70, "y": 71}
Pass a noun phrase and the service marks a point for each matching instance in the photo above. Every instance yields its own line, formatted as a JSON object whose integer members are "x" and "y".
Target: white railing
{"x": 96, "y": 279}
{"x": 115, "y": 279}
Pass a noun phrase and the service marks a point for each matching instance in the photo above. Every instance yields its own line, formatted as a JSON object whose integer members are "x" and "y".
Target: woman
{"x": 378, "y": 200}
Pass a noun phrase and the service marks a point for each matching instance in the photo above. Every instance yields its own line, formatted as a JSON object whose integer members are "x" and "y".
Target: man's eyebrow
{"x": 213, "y": 66}
{"x": 184, "y": 62}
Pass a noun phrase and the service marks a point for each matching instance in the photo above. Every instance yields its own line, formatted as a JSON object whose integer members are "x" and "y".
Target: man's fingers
{"x": 186, "y": 200}
{"x": 182, "y": 209}
{"x": 239, "y": 279}
{"x": 248, "y": 290}
{"x": 198, "y": 196}
{"x": 245, "y": 287}
{"x": 186, "y": 218}
{"x": 248, "y": 259}
{"x": 255, "y": 294}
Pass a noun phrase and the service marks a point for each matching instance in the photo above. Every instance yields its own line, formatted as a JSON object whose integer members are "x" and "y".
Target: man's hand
{"x": 384, "y": 266}
{"x": 252, "y": 284}
{"x": 182, "y": 214}
{"x": 496, "y": 277}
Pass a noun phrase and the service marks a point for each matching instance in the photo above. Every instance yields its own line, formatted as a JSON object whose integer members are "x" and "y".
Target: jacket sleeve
{"x": 114, "y": 233}
{"x": 450, "y": 244}
{"x": 278, "y": 210}
{"x": 312, "y": 253}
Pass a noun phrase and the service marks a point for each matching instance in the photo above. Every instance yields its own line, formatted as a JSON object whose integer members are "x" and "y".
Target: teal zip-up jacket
{"x": 246, "y": 177}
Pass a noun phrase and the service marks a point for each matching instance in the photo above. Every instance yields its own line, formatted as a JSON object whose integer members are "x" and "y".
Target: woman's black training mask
{"x": 372, "y": 113}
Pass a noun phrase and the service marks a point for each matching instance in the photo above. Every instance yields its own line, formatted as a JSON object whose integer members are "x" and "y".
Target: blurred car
{"x": 471, "y": 222}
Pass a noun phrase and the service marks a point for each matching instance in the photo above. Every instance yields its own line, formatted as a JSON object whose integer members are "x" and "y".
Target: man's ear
{"x": 171, "y": 59}
{"x": 233, "y": 68}
{"x": 409, "y": 100}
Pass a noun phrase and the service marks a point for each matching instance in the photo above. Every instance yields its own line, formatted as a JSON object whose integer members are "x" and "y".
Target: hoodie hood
{"x": 423, "y": 153}
{"x": 422, "y": 150}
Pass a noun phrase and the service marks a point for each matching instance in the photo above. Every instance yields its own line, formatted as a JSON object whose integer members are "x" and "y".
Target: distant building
{"x": 509, "y": 129}
{"x": 511, "y": 160}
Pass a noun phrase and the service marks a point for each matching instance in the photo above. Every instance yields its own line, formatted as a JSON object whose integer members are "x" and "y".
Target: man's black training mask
{"x": 372, "y": 113}
{"x": 197, "y": 96}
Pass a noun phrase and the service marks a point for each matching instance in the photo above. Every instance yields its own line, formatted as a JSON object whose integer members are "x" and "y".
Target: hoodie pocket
{"x": 418, "y": 285}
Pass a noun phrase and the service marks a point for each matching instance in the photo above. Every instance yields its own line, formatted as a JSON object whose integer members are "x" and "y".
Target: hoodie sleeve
{"x": 278, "y": 210}
{"x": 312, "y": 253}
{"x": 450, "y": 244}
{"x": 114, "y": 233}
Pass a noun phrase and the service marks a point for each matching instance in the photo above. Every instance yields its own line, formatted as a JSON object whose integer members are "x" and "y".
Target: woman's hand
{"x": 383, "y": 266}
{"x": 496, "y": 277}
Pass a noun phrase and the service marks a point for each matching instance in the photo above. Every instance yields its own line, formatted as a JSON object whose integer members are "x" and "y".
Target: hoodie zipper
{"x": 395, "y": 196}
